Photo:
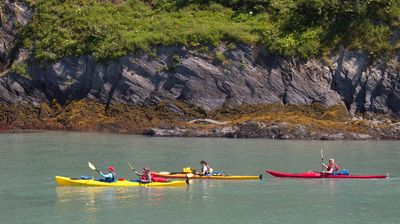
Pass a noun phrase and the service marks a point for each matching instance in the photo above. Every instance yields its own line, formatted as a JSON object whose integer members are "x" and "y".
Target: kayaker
{"x": 331, "y": 168}
{"x": 205, "y": 168}
{"x": 110, "y": 176}
{"x": 145, "y": 176}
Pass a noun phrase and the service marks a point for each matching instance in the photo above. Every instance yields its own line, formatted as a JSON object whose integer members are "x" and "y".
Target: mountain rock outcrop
{"x": 248, "y": 75}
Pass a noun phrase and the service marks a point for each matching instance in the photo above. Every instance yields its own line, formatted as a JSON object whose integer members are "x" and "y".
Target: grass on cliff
{"x": 285, "y": 27}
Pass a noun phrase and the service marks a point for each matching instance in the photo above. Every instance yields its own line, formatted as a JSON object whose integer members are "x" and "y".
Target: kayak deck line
{"x": 67, "y": 181}
{"x": 196, "y": 176}
{"x": 319, "y": 175}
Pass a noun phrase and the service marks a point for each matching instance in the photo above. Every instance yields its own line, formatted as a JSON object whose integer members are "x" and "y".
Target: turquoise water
{"x": 29, "y": 162}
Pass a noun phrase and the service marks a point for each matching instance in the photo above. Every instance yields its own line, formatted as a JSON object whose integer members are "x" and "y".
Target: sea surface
{"x": 29, "y": 194}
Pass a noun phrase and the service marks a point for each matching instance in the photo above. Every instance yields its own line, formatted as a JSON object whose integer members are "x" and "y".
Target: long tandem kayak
{"x": 67, "y": 181}
{"x": 315, "y": 174}
{"x": 195, "y": 176}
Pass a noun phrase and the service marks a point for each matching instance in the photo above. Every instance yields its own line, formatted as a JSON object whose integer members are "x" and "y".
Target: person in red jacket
{"x": 145, "y": 176}
{"x": 331, "y": 168}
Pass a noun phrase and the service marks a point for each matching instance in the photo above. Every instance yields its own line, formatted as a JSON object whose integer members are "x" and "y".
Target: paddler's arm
{"x": 109, "y": 175}
{"x": 326, "y": 167}
{"x": 330, "y": 171}
{"x": 137, "y": 173}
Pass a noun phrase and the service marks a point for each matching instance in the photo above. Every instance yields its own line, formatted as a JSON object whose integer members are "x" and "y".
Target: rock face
{"x": 14, "y": 15}
{"x": 247, "y": 76}
{"x": 367, "y": 88}
{"x": 194, "y": 78}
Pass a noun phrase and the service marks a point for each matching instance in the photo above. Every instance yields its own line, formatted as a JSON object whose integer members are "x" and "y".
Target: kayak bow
{"x": 67, "y": 181}
{"x": 196, "y": 176}
{"x": 314, "y": 174}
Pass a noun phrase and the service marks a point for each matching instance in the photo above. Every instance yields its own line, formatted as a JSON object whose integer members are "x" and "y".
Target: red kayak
{"x": 315, "y": 174}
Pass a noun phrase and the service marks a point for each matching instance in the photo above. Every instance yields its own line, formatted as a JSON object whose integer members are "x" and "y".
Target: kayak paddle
{"x": 133, "y": 169}
{"x": 322, "y": 162}
{"x": 130, "y": 166}
{"x": 169, "y": 173}
{"x": 188, "y": 176}
{"x": 92, "y": 167}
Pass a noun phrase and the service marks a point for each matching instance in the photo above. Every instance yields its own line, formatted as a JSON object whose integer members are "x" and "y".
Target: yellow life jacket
{"x": 187, "y": 170}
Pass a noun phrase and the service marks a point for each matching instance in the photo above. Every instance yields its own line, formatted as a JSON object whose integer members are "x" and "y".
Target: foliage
{"x": 220, "y": 57}
{"x": 20, "y": 68}
{"x": 305, "y": 28}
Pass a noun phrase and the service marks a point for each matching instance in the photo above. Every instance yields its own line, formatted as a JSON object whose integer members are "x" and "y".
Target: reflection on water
{"x": 90, "y": 196}
{"x": 206, "y": 187}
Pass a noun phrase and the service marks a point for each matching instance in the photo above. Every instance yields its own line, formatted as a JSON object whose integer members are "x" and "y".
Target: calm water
{"x": 29, "y": 162}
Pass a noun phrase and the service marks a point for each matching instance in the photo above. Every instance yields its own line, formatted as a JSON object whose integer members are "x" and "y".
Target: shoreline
{"x": 271, "y": 121}
{"x": 182, "y": 132}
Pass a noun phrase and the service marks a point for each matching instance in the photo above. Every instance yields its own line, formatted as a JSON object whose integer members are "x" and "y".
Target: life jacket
{"x": 187, "y": 170}
{"x": 146, "y": 177}
{"x": 334, "y": 166}
{"x": 111, "y": 179}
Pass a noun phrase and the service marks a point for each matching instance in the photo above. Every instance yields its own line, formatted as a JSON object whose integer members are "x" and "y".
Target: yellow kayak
{"x": 67, "y": 181}
{"x": 195, "y": 176}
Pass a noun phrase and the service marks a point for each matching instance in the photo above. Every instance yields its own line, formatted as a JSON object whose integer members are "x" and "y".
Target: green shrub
{"x": 20, "y": 68}
{"x": 220, "y": 57}
{"x": 285, "y": 27}
{"x": 231, "y": 46}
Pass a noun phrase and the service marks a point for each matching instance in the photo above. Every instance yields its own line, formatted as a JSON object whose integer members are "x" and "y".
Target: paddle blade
{"x": 322, "y": 153}
{"x": 188, "y": 176}
{"x": 187, "y": 180}
{"x": 130, "y": 166}
{"x": 91, "y": 166}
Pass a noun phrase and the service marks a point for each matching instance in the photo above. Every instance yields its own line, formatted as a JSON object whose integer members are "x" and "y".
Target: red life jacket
{"x": 145, "y": 177}
{"x": 334, "y": 166}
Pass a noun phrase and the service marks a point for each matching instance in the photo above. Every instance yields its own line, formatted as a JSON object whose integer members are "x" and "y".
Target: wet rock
{"x": 227, "y": 131}
{"x": 271, "y": 130}
{"x": 336, "y": 136}
{"x": 207, "y": 121}
{"x": 167, "y": 132}
{"x": 345, "y": 136}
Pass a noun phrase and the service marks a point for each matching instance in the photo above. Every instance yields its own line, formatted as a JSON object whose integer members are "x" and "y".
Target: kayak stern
{"x": 314, "y": 174}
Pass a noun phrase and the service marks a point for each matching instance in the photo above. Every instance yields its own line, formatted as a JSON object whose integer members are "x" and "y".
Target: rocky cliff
{"x": 247, "y": 75}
